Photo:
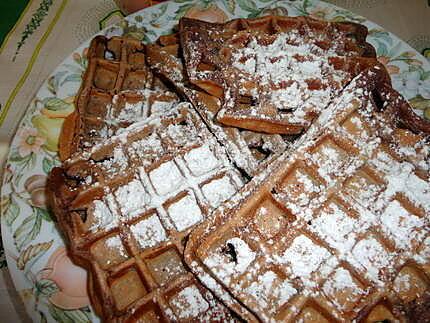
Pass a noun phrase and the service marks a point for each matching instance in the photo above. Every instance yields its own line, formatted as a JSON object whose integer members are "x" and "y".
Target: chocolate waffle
{"x": 274, "y": 74}
{"x": 117, "y": 89}
{"x": 126, "y": 207}
{"x": 206, "y": 45}
{"x": 251, "y": 151}
{"x": 336, "y": 230}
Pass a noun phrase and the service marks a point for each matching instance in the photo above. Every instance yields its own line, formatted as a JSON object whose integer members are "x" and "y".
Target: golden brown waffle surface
{"x": 127, "y": 207}
{"x": 251, "y": 151}
{"x": 118, "y": 89}
{"x": 334, "y": 223}
{"x": 336, "y": 230}
{"x": 208, "y": 46}
{"x": 274, "y": 74}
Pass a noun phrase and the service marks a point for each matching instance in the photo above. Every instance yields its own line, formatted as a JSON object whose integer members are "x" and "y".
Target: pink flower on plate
{"x": 76, "y": 57}
{"x": 70, "y": 279}
{"x": 210, "y": 13}
{"x": 29, "y": 141}
{"x": 392, "y": 69}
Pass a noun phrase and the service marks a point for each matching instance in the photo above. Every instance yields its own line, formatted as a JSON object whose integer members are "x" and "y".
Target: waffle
{"x": 336, "y": 230}
{"x": 274, "y": 74}
{"x": 251, "y": 151}
{"x": 205, "y": 45}
{"x": 117, "y": 89}
{"x": 126, "y": 207}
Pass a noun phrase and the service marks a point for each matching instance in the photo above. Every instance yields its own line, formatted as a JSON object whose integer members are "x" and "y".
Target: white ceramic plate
{"x": 52, "y": 288}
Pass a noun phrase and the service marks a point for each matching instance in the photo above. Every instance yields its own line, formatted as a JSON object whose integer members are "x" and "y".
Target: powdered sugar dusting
{"x": 115, "y": 243}
{"x": 372, "y": 257}
{"x": 133, "y": 106}
{"x": 117, "y": 163}
{"x": 342, "y": 289}
{"x": 402, "y": 283}
{"x": 424, "y": 254}
{"x": 244, "y": 254}
{"x": 288, "y": 70}
{"x": 341, "y": 279}
{"x": 132, "y": 198}
{"x": 181, "y": 134}
{"x": 336, "y": 228}
{"x": 400, "y": 178}
{"x": 189, "y": 303}
{"x": 363, "y": 190}
{"x": 270, "y": 292}
{"x": 149, "y": 232}
{"x": 185, "y": 212}
{"x": 201, "y": 160}
{"x": 298, "y": 190}
{"x": 329, "y": 159}
{"x": 166, "y": 178}
{"x": 308, "y": 183}
{"x": 218, "y": 190}
{"x": 142, "y": 148}
{"x": 401, "y": 226}
{"x": 304, "y": 257}
{"x": 224, "y": 267}
{"x": 131, "y": 111}
{"x": 104, "y": 218}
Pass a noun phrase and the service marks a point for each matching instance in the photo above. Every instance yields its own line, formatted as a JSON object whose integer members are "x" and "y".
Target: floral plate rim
{"x": 34, "y": 249}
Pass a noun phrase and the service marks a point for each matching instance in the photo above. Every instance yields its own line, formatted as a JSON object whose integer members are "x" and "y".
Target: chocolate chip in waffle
{"x": 127, "y": 206}
{"x": 274, "y": 74}
{"x": 250, "y": 150}
{"x": 335, "y": 230}
{"x": 117, "y": 89}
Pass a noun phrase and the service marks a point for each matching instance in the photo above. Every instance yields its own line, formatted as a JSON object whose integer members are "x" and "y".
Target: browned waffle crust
{"x": 274, "y": 74}
{"x": 204, "y": 43}
{"x": 336, "y": 230}
{"x": 116, "y": 79}
{"x": 251, "y": 151}
{"x": 140, "y": 171}
{"x": 126, "y": 208}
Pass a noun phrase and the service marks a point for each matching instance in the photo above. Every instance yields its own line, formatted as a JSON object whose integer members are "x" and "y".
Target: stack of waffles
{"x": 249, "y": 150}
{"x": 128, "y": 205}
{"x": 261, "y": 170}
{"x": 118, "y": 89}
{"x": 335, "y": 230}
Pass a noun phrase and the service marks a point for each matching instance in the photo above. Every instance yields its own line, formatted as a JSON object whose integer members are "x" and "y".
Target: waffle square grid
{"x": 342, "y": 228}
{"x": 131, "y": 213}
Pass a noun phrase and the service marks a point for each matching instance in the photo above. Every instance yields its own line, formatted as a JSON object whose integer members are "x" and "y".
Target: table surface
{"x": 30, "y": 52}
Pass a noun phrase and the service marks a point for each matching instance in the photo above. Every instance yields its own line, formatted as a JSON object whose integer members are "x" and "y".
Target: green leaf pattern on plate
{"x": 45, "y": 287}
{"x": 32, "y": 253}
{"x": 10, "y": 209}
{"x": 27, "y": 230}
{"x": 27, "y": 227}
{"x": 70, "y": 316}
{"x": 230, "y": 5}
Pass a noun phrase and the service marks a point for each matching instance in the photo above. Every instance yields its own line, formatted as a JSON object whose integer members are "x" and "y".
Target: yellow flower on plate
{"x": 26, "y": 294}
{"x": 30, "y": 141}
{"x": 211, "y": 13}
{"x": 58, "y": 108}
{"x": 48, "y": 128}
{"x": 392, "y": 69}
{"x": 319, "y": 13}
